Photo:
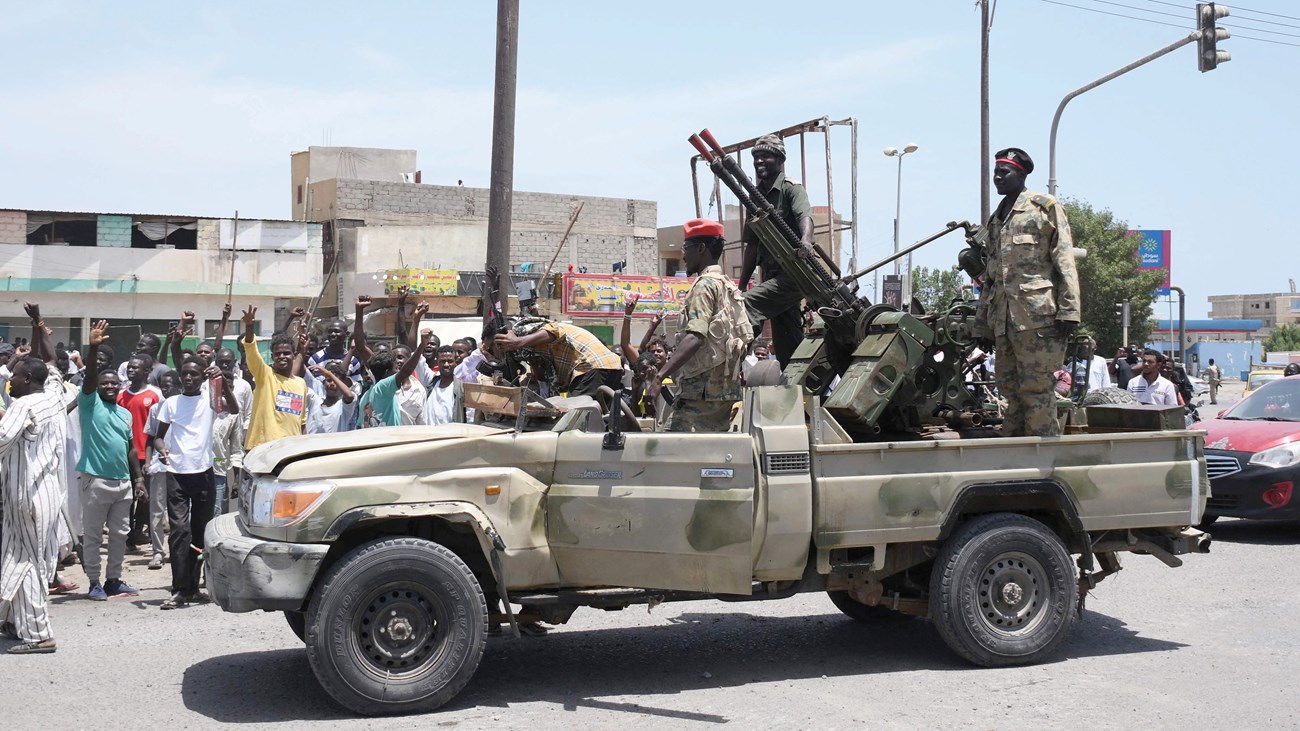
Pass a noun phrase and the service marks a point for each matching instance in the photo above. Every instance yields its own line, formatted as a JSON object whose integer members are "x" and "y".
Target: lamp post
{"x": 898, "y": 209}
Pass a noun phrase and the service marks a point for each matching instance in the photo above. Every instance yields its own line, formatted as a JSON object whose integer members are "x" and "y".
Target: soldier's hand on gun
{"x": 506, "y": 342}
{"x": 805, "y": 251}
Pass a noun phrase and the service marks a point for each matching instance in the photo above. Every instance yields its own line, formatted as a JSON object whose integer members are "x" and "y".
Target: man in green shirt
{"x": 109, "y": 468}
{"x": 777, "y": 297}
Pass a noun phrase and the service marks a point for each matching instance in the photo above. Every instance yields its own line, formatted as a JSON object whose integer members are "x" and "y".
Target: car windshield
{"x": 1259, "y": 379}
{"x": 1276, "y": 400}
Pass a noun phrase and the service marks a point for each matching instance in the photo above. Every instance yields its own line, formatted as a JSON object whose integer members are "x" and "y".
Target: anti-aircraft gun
{"x": 900, "y": 371}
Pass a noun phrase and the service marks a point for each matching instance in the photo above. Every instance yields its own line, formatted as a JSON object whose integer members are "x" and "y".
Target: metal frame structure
{"x": 820, "y": 125}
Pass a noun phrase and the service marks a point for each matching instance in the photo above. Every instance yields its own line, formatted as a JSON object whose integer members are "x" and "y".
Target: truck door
{"x": 668, "y": 511}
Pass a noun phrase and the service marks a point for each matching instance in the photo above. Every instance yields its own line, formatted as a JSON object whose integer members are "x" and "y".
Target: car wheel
{"x": 1002, "y": 591}
{"x": 867, "y": 614}
{"x": 398, "y": 625}
{"x": 1207, "y": 520}
{"x": 298, "y": 623}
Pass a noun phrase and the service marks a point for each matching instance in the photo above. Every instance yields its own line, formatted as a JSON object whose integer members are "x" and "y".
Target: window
{"x": 300, "y": 195}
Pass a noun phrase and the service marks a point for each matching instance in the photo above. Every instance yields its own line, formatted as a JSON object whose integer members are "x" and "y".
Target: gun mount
{"x": 899, "y": 371}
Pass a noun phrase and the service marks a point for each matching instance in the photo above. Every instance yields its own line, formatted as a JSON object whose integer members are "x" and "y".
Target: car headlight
{"x": 276, "y": 503}
{"x": 1283, "y": 456}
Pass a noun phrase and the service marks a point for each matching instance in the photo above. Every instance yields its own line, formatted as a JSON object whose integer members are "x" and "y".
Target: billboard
{"x": 600, "y": 295}
{"x": 429, "y": 282}
{"x": 1153, "y": 253}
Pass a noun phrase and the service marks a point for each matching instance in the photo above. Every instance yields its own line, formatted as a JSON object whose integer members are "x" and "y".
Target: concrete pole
{"x": 1182, "y": 322}
{"x": 985, "y": 173}
{"x": 503, "y": 144}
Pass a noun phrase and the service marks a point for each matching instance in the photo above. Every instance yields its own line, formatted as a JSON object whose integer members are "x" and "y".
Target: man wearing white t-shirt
{"x": 336, "y": 411}
{"x": 184, "y": 444}
{"x": 1149, "y": 387}
{"x": 446, "y": 403}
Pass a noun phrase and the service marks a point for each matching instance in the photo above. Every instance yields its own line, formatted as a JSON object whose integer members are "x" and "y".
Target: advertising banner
{"x": 602, "y": 295}
{"x": 428, "y": 282}
{"x": 1153, "y": 253}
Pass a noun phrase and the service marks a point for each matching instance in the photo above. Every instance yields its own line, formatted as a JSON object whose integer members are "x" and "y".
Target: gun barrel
{"x": 952, "y": 226}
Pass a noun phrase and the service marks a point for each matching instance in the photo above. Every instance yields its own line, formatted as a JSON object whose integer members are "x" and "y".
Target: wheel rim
{"x": 400, "y": 631}
{"x": 1013, "y": 594}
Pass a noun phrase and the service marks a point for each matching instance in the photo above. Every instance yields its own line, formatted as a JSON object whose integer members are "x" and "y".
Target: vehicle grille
{"x": 786, "y": 463}
{"x": 1220, "y": 465}
{"x": 1228, "y": 502}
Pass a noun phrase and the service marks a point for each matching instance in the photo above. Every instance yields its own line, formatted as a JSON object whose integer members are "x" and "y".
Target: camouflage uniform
{"x": 704, "y": 399}
{"x": 777, "y": 297}
{"x": 1029, "y": 284}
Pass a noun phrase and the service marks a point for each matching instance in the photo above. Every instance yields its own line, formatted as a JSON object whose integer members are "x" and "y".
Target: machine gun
{"x": 503, "y": 368}
{"x": 900, "y": 371}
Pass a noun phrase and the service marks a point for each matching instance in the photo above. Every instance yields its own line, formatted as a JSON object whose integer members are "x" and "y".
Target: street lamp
{"x": 898, "y": 209}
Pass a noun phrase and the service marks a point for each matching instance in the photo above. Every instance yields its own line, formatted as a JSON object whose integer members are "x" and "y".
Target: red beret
{"x": 702, "y": 227}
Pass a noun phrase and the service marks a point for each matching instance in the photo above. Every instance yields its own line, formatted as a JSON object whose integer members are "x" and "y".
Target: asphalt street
{"x": 1213, "y": 644}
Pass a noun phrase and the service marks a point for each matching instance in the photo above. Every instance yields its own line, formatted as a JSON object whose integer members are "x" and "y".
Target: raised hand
{"x": 297, "y": 313}
{"x": 629, "y": 302}
{"x": 225, "y": 311}
{"x": 403, "y": 292}
{"x": 363, "y": 301}
{"x": 33, "y": 310}
{"x": 98, "y": 334}
{"x": 187, "y": 317}
{"x": 250, "y": 313}
{"x": 421, "y": 309}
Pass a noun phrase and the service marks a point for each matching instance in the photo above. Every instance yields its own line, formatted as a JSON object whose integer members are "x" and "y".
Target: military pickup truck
{"x": 393, "y": 551}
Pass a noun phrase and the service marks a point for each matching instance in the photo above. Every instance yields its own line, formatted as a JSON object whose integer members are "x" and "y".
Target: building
{"x": 386, "y": 224}
{"x": 1271, "y": 309}
{"x": 140, "y": 271}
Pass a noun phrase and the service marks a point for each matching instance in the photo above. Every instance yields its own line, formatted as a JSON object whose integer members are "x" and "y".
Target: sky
{"x": 194, "y": 108}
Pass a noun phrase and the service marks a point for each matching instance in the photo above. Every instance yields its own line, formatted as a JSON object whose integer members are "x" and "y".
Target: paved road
{"x": 1213, "y": 644}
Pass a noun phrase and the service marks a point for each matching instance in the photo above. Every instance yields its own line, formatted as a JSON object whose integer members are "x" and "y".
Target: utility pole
{"x": 503, "y": 145}
{"x": 985, "y": 20}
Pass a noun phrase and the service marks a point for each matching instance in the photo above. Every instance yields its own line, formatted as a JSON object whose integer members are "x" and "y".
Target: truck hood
{"x": 270, "y": 457}
{"x": 1248, "y": 436}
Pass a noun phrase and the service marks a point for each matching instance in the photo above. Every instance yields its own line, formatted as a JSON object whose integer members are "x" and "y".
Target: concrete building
{"x": 139, "y": 271}
{"x": 1270, "y": 308}
{"x": 386, "y": 224}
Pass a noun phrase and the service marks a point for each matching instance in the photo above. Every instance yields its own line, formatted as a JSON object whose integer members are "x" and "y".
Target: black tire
{"x": 864, "y": 613}
{"x": 298, "y": 623}
{"x": 1099, "y": 396}
{"x": 1002, "y": 591}
{"x": 1207, "y": 520}
{"x": 430, "y": 640}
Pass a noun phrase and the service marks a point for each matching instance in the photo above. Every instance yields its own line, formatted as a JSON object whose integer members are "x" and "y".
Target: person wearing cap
{"x": 777, "y": 297}
{"x": 1029, "y": 299}
{"x": 715, "y": 337}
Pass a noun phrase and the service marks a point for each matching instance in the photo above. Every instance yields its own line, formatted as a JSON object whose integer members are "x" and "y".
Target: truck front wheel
{"x": 1002, "y": 589}
{"x": 398, "y": 625}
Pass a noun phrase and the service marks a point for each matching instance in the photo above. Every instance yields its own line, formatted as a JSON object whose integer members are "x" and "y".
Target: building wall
{"x": 359, "y": 163}
{"x": 607, "y": 230}
{"x": 113, "y": 231}
{"x": 13, "y": 227}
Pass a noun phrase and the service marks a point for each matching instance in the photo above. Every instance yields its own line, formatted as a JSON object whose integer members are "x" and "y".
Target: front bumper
{"x": 245, "y": 573}
{"x": 1239, "y": 493}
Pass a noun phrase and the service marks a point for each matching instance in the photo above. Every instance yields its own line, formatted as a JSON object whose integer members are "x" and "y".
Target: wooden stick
{"x": 230, "y": 287}
{"x": 572, "y": 220}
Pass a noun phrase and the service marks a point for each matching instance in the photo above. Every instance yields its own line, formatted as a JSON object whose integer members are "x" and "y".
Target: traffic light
{"x": 1208, "y": 55}
{"x": 1121, "y": 311}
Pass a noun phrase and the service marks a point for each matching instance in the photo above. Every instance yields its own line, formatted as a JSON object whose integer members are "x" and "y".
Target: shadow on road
{"x": 1256, "y": 532}
{"x": 594, "y": 668}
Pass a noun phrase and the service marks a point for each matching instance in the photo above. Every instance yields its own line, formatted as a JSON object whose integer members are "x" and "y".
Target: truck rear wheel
{"x": 298, "y": 623}
{"x": 398, "y": 625}
{"x": 864, "y": 613}
{"x": 1002, "y": 591}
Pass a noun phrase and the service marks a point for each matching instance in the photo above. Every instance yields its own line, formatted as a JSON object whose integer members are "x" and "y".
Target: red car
{"x": 1253, "y": 454}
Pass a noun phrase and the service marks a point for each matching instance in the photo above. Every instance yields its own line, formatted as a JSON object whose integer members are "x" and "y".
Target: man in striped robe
{"x": 32, "y": 434}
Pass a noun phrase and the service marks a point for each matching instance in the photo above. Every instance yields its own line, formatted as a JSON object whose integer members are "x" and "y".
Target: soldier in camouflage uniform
{"x": 1029, "y": 299}
{"x": 715, "y": 337}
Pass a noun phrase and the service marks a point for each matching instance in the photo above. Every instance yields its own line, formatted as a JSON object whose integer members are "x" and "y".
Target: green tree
{"x": 1108, "y": 275}
{"x": 936, "y": 288}
{"x": 1285, "y": 339}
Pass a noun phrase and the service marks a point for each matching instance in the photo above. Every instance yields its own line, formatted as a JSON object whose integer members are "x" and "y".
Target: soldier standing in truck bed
{"x": 1029, "y": 303}
{"x": 715, "y": 337}
{"x": 777, "y": 297}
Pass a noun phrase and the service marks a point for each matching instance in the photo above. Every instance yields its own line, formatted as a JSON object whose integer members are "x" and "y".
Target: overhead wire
{"x": 1172, "y": 25}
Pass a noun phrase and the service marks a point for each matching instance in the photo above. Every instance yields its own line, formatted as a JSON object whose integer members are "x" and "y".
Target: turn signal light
{"x": 292, "y": 503}
{"x": 1279, "y": 494}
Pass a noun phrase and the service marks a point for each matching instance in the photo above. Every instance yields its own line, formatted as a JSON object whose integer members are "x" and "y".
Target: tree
{"x": 1285, "y": 339}
{"x": 936, "y": 288}
{"x": 1108, "y": 275}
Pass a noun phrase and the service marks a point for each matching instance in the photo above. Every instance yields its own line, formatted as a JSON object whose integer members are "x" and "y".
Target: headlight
{"x": 277, "y": 503}
{"x": 1283, "y": 456}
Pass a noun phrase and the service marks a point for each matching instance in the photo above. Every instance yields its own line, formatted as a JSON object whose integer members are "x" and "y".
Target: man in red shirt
{"x": 137, "y": 397}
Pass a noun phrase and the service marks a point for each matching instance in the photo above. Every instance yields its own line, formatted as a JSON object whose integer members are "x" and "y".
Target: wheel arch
{"x": 1047, "y": 501}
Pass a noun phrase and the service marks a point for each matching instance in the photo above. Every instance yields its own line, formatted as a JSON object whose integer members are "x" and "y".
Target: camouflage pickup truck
{"x": 393, "y": 551}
